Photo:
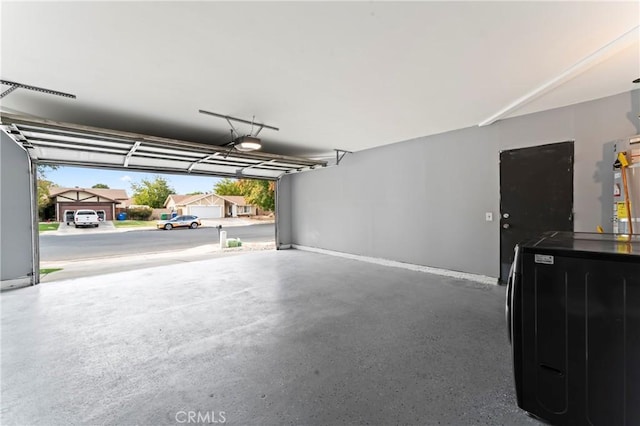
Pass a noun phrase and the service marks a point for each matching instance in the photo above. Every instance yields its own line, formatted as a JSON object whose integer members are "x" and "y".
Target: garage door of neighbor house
{"x": 206, "y": 212}
{"x": 107, "y": 207}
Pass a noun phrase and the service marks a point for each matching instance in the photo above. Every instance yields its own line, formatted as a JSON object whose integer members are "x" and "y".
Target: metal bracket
{"x": 202, "y": 160}
{"x": 130, "y": 153}
{"x": 240, "y": 170}
{"x": 9, "y": 90}
{"x": 14, "y": 85}
{"x": 340, "y": 153}
{"x": 14, "y": 133}
{"x": 239, "y": 120}
{"x": 234, "y": 132}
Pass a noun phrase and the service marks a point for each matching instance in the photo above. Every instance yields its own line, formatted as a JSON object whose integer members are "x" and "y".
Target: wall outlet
{"x": 488, "y": 216}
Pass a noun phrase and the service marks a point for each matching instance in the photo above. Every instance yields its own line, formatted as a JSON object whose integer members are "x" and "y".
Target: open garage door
{"x": 206, "y": 212}
{"x": 50, "y": 142}
{"x": 57, "y": 143}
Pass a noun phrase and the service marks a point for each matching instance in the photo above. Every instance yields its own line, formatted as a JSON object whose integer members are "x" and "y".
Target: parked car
{"x": 184, "y": 221}
{"x": 86, "y": 218}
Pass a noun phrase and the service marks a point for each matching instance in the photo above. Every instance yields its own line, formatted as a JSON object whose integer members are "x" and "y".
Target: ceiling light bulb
{"x": 248, "y": 143}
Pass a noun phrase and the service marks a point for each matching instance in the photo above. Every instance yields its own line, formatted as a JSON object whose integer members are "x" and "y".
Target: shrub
{"x": 139, "y": 213}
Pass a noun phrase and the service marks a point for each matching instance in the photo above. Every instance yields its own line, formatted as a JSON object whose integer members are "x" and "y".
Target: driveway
{"x": 105, "y": 244}
{"x": 104, "y": 227}
{"x": 94, "y": 251}
{"x": 87, "y": 267}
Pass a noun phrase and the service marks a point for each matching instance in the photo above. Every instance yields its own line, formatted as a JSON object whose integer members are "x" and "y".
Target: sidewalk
{"x": 105, "y": 265}
{"x": 232, "y": 221}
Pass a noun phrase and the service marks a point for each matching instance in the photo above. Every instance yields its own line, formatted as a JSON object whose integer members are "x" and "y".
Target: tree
{"x": 261, "y": 193}
{"x": 101, "y": 186}
{"x": 194, "y": 193}
{"x": 44, "y": 168}
{"x": 43, "y": 187}
{"x": 43, "y": 196}
{"x": 152, "y": 193}
{"x": 227, "y": 187}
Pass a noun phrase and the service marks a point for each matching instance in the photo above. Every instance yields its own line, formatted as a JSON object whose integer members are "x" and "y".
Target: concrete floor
{"x": 267, "y": 338}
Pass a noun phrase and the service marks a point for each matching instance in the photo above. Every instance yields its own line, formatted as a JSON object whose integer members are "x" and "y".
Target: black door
{"x": 536, "y": 195}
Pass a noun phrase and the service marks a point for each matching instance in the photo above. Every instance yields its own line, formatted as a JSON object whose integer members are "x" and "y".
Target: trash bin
{"x": 164, "y": 216}
{"x": 174, "y": 214}
{"x": 122, "y": 216}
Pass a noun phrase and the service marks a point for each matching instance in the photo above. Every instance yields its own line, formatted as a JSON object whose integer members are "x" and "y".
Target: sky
{"x": 82, "y": 177}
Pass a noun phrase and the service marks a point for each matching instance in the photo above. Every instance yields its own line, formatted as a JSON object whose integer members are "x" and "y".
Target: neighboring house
{"x": 236, "y": 205}
{"x": 97, "y": 199}
{"x": 210, "y": 206}
{"x": 125, "y": 204}
{"x": 174, "y": 201}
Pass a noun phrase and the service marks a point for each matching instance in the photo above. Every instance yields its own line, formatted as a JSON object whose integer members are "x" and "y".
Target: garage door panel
{"x": 206, "y": 212}
{"x": 56, "y": 155}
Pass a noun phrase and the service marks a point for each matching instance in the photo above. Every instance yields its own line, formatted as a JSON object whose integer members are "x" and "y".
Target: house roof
{"x": 177, "y": 198}
{"x": 235, "y": 199}
{"x": 126, "y": 203}
{"x": 193, "y": 198}
{"x": 183, "y": 200}
{"x": 111, "y": 194}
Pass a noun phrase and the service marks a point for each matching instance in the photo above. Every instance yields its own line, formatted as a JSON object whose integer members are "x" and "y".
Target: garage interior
{"x": 382, "y": 304}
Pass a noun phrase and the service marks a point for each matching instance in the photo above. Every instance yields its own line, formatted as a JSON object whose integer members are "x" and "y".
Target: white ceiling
{"x": 330, "y": 75}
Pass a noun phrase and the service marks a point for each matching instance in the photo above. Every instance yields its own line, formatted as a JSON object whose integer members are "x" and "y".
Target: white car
{"x": 86, "y": 218}
{"x": 185, "y": 221}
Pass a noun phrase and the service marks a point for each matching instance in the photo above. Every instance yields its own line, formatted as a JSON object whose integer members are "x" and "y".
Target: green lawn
{"x": 45, "y": 271}
{"x": 48, "y": 226}
{"x": 134, "y": 223}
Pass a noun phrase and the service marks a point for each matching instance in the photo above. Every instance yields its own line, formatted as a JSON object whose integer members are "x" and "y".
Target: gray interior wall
{"x": 423, "y": 201}
{"x": 283, "y": 211}
{"x": 16, "y": 247}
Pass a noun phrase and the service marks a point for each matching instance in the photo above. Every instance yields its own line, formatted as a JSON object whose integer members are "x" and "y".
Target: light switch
{"x": 488, "y": 216}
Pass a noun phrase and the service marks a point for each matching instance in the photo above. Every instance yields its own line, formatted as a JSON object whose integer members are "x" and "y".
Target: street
{"x": 93, "y": 245}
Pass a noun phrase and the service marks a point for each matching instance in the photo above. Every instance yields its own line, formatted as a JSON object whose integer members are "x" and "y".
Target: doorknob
{"x": 506, "y": 226}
